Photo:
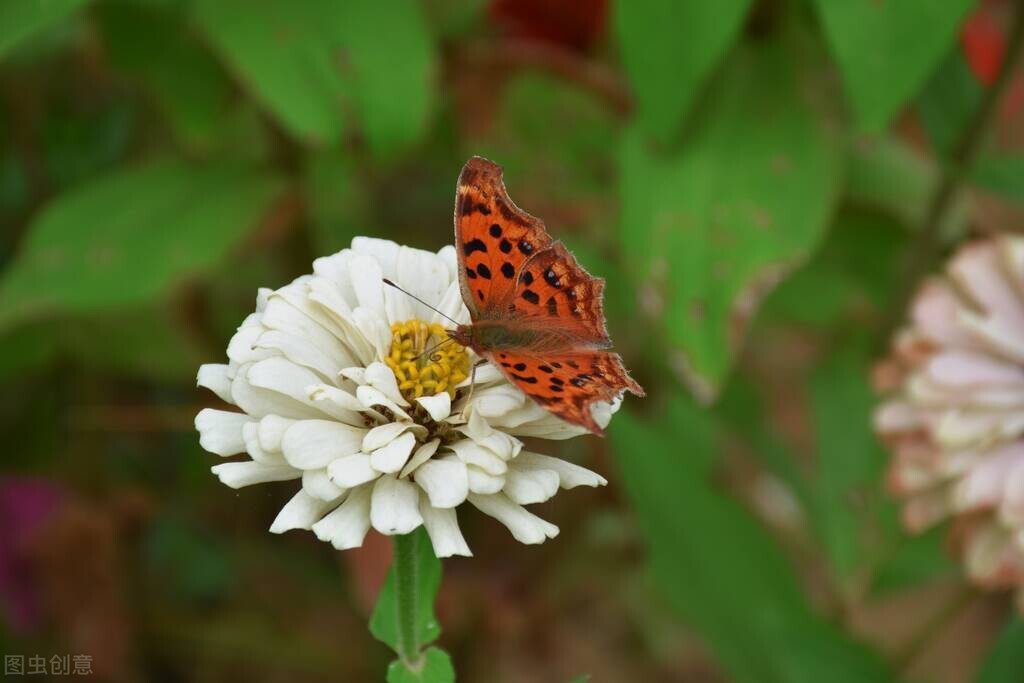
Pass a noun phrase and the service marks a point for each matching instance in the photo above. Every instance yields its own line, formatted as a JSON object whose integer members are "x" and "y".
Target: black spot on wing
{"x": 552, "y": 279}
{"x": 552, "y": 306}
{"x": 483, "y": 271}
{"x": 527, "y": 278}
{"x": 520, "y": 366}
{"x": 470, "y": 273}
{"x": 523, "y": 378}
{"x": 495, "y": 230}
{"x": 525, "y": 247}
{"x": 505, "y": 246}
{"x": 474, "y": 245}
{"x": 531, "y": 296}
{"x": 507, "y": 270}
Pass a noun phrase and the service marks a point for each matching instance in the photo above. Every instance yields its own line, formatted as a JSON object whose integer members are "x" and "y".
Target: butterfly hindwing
{"x": 493, "y": 238}
{"x": 554, "y": 287}
{"x": 568, "y": 384}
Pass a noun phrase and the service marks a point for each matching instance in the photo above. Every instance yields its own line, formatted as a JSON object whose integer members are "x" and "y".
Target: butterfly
{"x": 536, "y": 313}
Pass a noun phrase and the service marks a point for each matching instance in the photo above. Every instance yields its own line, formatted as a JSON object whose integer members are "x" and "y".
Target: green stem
{"x": 960, "y": 162}
{"x": 405, "y": 589}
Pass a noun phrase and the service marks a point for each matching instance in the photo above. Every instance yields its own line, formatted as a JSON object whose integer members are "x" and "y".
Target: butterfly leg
{"x": 472, "y": 383}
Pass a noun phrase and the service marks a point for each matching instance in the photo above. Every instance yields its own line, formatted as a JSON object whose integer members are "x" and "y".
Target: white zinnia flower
{"x": 956, "y": 423}
{"x": 335, "y": 391}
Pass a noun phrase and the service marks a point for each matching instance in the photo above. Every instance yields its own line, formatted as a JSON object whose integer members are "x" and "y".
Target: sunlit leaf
{"x": 887, "y": 50}
{"x": 125, "y": 238}
{"x": 19, "y": 19}
{"x": 668, "y": 48}
{"x": 716, "y": 225}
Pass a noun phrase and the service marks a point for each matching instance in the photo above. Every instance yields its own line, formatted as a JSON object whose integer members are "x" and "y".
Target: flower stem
{"x": 407, "y": 600}
{"x": 961, "y": 160}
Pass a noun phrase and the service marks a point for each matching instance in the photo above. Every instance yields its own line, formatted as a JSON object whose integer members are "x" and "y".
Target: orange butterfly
{"x": 536, "y": 312}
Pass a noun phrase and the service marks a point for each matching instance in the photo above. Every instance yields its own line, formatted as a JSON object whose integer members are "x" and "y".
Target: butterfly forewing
{"x": 493, "y": 238}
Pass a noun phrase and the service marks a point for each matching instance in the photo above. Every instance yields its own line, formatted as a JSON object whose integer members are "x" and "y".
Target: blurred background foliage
{"x": 760, "y": 181}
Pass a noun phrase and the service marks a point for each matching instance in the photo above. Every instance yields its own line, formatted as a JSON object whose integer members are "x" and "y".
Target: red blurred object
{"x": 577, "y": 24}
{"x": 983, "y": 44}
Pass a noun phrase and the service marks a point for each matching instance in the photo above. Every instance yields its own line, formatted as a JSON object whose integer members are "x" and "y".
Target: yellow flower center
{"x": 425, "y": 374}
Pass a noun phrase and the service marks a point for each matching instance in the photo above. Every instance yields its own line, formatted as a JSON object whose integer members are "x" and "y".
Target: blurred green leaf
{"x": 951, "y": 98}
{"x": 19, "y": 19}
{"x": 850, "y": 459}
{"x": 154, "y": 48}
{"x": 390, "y": 75}
{"x": 1005, "y": 662}
{"x": 125, "y": 238}
{"x": 186, "y": 560}
{"x": 718, "y": 568}
{"x": 914, "y": 561}
{"x": 668, "y": 48}
{"x": 79, "y": 144}
{"x": 582, "y": 678}
{"x": 335, "y": 198}
{"x": 889, "y": 175}
{"x": 437, "y": 668}
{"x": 1001, "y": 174}
{"x": 286, "y": 53}
{"x": 384, "y": 620}
{"x": 887, "y": 50}
{"x": 717, "y": 225}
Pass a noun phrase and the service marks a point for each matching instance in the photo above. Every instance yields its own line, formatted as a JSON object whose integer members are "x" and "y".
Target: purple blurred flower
{"x": 25, "y": 505}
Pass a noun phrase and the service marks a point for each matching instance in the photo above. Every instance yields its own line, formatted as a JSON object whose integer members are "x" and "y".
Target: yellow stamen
{"x": 420, "y": 374}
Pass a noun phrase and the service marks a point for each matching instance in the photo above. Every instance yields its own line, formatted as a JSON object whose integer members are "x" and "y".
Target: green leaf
{"x": 1001, "y": 174}
{"x": 914, "y": 561}
{"x": 850, "y": 460}
{"x": 384, "y": 624}
{"x": 887, "y": 50}
{"x": 124, "y": 239}
{"x": 668, "y": 49}
{"x": 335, "y": 198}
{"x": 949, "y": 101}
{"x": 889, "y": 175}
{"x": 717, "y": 225}
{"x": 718, "y": 569}
{"x": 391, "y": 79}
{"x": 19, "y": 19}
{"x": 286, "y": 53}
{"x": 1005, "y": 662}
{"x": 154, "y": 48}
{"x": 437, "y": 668}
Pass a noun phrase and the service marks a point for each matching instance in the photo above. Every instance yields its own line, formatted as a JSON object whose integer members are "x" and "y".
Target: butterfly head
{"x": 463, "y": 336}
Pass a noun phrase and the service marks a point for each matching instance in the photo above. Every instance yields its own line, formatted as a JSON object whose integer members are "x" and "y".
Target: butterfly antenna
{"x": 410, "y": 294}
{"x": 434, "y": 348}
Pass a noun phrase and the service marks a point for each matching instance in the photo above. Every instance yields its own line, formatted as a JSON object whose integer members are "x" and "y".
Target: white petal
{"x": 311, "y": 444}
{"x": 239, "y": 474}
{"x": 498, "y": 400}
{"x": 392, "y": 457}
{"x": 250, "y": 433}
{"x": 344, "y": 400}
{"x": 284, "y": 377}
{"x": 382, "y": 435}
{"x": 346, "y": 527}
{"x": 356, "y": 374}
{"x": 422, "y": 274}
{"x": 438, "y": 406}
{"x": 375, "y": 328}
{"x": 240, "y": 347}
{"x": 525, "y": 526}
{"x": 451, "y": 306}
{"x": 445, "y": 481}
{"x": 395, "y": 506}
{"x": 271, "y": 431}
{"x": 482, "y": 482}
{"x": 301, "y": 512}
{"x": 318, "y": 484}
{"x": 371, "y": 397}
{"x": 220, "y": 431}
{"x": 379, "y": 376}
{"x": 498, "y": 442}
{"x": 472, "y": 453}
{"x": 352, "y": 470}
{"x": 422, "y": 454}
{"x": 451, "y": 260}
{"x": 214, "y": 377}
{"x": 368, "y": 282}
{"x": 385, "y": 252}
{"x": 527, "y": 486}
{"x": 302, "y": 352}
{"x": 260, "y": 402}
{"x": 570, "y": 475}
{"x": 443, "y": 529}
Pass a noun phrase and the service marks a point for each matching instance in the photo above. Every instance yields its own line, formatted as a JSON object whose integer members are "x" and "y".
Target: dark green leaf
{"x": 949, "y": 101}
{"x": 1005, "y": 663}
{"x": 436, "y": 668}
{"x": 384, "y": 620}
{"x": 718, "y": 568}
{"x": 915, "y": 560}
{"x": 887, "y": 50}
{"x": 716, "y": 226}
{"x": 1002, "y": 175}
{"x": 154, "y": 48}
{"x": 125, "y": 238}
{"x": 889, "y": 175}
{"x": 19, "y": 19}
{"x": 336, "y": 200}
{"x": 668, "y": 48}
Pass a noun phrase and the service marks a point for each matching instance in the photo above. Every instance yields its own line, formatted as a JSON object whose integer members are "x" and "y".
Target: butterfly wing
{"x": 493, "y": 238}
{"x": 568, "y": 384}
